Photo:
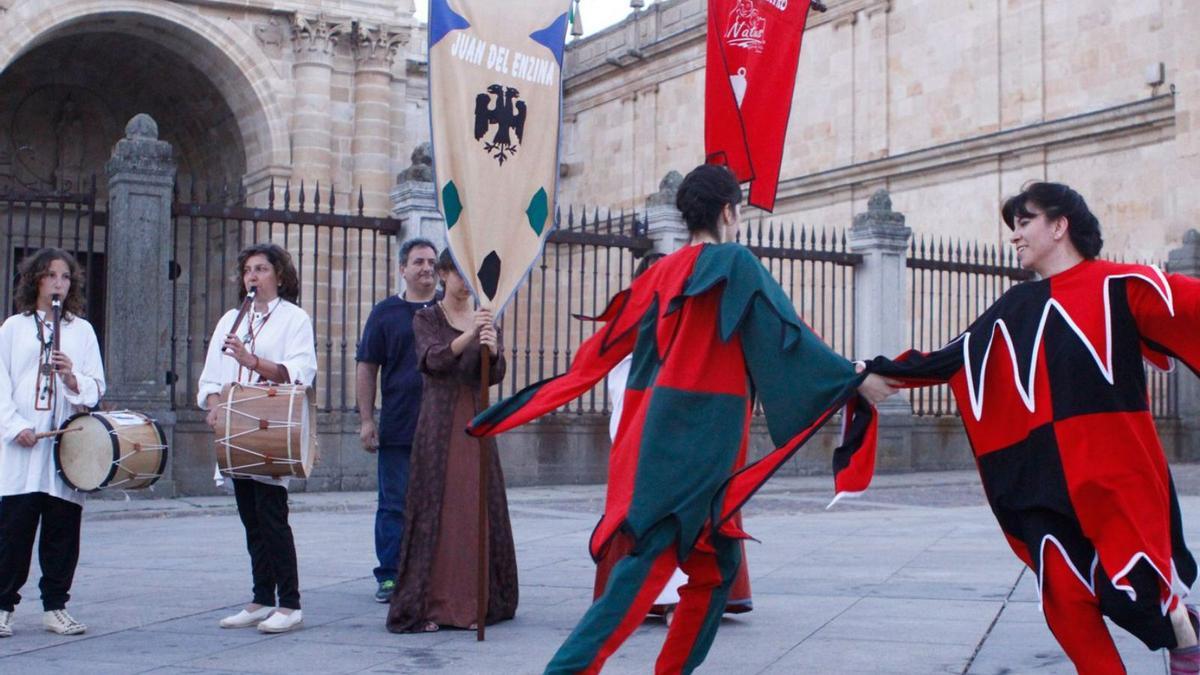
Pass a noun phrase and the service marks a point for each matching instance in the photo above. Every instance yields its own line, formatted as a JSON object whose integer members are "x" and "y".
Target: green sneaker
{"x": 384, "y": 592}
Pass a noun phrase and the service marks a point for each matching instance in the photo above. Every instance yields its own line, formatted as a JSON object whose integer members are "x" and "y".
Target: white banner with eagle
{"x": 495, "y": 99}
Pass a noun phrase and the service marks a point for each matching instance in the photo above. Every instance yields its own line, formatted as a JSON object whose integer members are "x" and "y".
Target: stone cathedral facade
{"x": 950, "y": 105}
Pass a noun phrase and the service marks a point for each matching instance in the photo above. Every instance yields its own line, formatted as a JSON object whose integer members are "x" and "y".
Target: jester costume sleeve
{"x": 1053, "y": 394}
{"x": 710, "y": 331}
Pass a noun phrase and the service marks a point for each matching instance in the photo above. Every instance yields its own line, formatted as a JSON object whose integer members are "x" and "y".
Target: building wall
{"x": 950, "y": 105}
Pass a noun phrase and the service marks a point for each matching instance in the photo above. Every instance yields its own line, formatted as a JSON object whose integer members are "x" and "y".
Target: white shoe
{"x": 5, "y": 623}
{"x": 282, "y": 623}
{"x": 244, "y": 619}
{"x": 58, "y": 621}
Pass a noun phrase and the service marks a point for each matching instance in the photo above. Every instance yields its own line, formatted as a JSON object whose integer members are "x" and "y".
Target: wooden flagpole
{"x": 481, "y": 570}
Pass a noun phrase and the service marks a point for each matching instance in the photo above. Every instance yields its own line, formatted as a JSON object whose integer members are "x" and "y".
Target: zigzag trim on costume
{"x": 1171, "y": 582}
{"x": 1176, "y": 586}
{"x": 1090, "y": 585}
{"x": 1026, "y": 392}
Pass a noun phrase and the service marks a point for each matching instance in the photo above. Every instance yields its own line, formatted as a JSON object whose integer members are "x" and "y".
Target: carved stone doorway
{"x": 64, "y": 104}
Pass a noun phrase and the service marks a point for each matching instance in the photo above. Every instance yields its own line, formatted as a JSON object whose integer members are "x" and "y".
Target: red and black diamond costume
{"x": 710, "y": 331}
{"x": 1053, "y": 395}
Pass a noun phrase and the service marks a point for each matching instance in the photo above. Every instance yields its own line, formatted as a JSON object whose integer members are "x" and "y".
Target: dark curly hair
{"x": 36, "y": 266}
{"x": 703, "y": 194}
{"x": 1058, "y": 200}
{"x": 281, "y": 260}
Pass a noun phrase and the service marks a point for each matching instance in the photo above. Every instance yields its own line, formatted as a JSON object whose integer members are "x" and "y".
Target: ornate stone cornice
{"x": 317, "y": 35}
{"x": 1117, "y": 122}
{"x": 668, "y": 25}
{"x": 378, "y": 44}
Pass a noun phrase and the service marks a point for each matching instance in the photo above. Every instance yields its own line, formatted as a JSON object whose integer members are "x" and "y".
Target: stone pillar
{"x": 375, "y": 51}
{"x": 882, "y": 238}
{"x": 664, "y": 222}
{"x": 414, "y": 201}
{"x": 880, "y": 323}
{"x": 141, "y": 174}
{"x": 1186, "y": 260}
{"x": 314, "y": 41}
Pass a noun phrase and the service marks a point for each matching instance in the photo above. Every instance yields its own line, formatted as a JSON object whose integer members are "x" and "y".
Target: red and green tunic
{"x": 710, "y": 331}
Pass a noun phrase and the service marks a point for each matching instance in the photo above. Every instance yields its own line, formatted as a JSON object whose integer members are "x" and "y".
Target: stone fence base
{"x": 573, "y": 449}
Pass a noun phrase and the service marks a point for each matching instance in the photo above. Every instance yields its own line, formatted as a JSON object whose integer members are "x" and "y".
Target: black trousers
{"x": 58, "y": 548}
{"x": 264, "y": 512}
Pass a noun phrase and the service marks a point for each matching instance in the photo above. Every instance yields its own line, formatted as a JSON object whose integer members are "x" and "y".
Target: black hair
{"x": 1058, "y": 200}
{"x": 703, "y": 194}
{"x": 445, "y": 262}
{"x": 415, "y": 242}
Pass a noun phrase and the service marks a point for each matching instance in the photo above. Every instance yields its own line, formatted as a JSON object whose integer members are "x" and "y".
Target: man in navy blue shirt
{"x": 387, "y": 344}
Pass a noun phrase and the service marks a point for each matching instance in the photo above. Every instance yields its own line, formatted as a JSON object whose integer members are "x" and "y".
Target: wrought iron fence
{"x": 68, "y": 220}
{"x": 345, "y": 263}
{"x": 587, "y": 260}
{"x": 816, "y": 270}
{"x": 950, "y": 284}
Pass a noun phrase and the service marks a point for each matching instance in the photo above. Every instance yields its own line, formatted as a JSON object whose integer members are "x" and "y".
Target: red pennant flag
{"x": 753, "y": 53}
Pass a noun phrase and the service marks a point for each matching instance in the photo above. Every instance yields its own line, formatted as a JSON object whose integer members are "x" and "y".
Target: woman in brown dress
{"x": 437, "y": 567}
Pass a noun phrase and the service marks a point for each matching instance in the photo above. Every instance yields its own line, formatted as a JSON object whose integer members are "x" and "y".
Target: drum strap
{"x": 44, "y": 396}
{"x": 251, "y": 336}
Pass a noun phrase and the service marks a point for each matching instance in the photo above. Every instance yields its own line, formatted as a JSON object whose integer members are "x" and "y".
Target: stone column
{"x": 871, "y": 82}
{"x": 375, "y": 51}
{"x": 664, "y": 222}
{"x": 314, "y": 41}
{"x": 1186, "y": 260}
{"x": 141, "y": 173}
{"x": 414, "y": 201}
{"x": 880, "y": 322}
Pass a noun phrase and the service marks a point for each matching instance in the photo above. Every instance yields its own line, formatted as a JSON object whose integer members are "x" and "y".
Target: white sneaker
{"x": 282, "y": 623}
{"x": 244, "y": 619}
{"x": 5, "y": 623}
{"x": 58, "y": 621}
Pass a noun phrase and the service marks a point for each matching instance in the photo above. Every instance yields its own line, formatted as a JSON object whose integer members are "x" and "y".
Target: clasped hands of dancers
{"x": 1049, "y": 379}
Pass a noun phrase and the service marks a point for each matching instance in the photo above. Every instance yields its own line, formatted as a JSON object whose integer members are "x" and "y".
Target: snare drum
{"x": 119, "y": 449}
{"x": 267, "y": 430}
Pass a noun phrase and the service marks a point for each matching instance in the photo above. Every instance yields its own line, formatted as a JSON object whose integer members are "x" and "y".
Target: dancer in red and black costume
{"x": 1054, "y": 399}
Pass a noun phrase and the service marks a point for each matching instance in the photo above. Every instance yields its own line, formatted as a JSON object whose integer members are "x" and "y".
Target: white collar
{"x": 270, "y": 307}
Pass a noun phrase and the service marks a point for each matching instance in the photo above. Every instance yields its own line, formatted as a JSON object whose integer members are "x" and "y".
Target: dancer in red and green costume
{"x": 1053, "y": 395}
{"x": 710, "y": 331}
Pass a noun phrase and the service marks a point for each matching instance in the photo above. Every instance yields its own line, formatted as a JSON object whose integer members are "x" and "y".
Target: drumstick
{"x": 242, "y": 310}
{"x": 58, "y": 432}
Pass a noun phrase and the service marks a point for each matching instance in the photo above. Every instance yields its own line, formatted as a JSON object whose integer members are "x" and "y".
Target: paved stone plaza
{"x": 912, "y": 578}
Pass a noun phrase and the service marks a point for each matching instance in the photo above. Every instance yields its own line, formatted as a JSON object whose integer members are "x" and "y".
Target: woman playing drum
{"x": 40, "y": 386}
{"x": 273, "y": 343}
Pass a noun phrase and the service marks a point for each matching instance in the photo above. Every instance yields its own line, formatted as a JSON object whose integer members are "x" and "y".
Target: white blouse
{"x": 26, "y": 470}
{"x": 283, "y": 334}
{"x": 617, "y": 378}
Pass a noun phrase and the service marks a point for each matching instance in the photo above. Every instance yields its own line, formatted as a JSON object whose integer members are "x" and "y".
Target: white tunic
{"x": 617, "y": 379}
{"x": 26, "y": 470}
{"x": 283, "y": 334}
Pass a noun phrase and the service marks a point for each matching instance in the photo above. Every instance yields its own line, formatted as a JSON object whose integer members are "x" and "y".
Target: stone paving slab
{"x": 913, "y": 578}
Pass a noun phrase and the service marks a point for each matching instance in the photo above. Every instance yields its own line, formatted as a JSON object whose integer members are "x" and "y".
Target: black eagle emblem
{"x": 500, "y": 107}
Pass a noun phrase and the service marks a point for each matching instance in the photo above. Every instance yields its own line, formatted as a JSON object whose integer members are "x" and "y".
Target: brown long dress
{"x": 436, "y": 578}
